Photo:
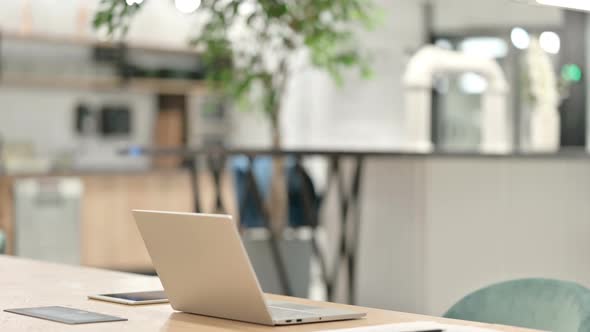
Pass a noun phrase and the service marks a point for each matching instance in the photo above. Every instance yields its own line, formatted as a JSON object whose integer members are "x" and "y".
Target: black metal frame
{"x": 349, "y": 207}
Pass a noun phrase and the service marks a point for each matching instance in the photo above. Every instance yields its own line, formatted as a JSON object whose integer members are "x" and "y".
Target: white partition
{"x": 437, "y": 228}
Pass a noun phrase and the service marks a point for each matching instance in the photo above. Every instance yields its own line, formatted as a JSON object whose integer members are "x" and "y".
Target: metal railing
{"x": 349, "y": 195}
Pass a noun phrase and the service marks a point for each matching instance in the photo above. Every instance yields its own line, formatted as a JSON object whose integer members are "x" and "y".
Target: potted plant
{"x": 252, "y": 48}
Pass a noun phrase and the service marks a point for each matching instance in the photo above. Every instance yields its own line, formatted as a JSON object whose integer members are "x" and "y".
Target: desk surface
{"x": 26, "y": 283}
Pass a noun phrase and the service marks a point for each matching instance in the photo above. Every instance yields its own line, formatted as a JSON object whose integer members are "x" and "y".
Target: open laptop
{"x": 205, "y": 270}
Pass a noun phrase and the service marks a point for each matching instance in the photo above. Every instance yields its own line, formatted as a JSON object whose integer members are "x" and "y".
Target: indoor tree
{"x": 252, "y": 48}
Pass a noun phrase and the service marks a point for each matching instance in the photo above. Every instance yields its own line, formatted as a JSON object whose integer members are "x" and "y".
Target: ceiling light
{"x": 550, "y": 42}
{"x": 187, "y": 6}
{"x": 520, "y": 38}
{"x": 572, "y": 4}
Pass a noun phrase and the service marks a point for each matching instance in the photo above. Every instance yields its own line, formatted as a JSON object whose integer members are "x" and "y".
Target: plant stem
{"x": 278, "y": 200}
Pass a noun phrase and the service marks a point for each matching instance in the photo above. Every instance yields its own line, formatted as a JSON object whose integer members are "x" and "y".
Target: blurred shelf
{"x": 57, "y": 83}
{"x": 167, "y": 86}
{"x": 89, "y": 42}
{"x": 147, "y": 85}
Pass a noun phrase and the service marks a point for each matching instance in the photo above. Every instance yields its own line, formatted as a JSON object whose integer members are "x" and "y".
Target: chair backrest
{"x": 544, "y": 304}
{"x": 2, "y": 242}
{"x": 299, "y": 186}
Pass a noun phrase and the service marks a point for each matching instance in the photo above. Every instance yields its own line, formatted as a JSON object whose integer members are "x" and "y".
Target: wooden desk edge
{"x": 70, "y": 286}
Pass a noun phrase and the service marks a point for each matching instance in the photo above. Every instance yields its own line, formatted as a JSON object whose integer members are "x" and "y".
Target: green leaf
{"x": 325, "y": 29}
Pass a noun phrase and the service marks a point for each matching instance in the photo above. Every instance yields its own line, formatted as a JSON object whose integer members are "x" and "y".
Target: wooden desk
{"x": 26, "y": 283}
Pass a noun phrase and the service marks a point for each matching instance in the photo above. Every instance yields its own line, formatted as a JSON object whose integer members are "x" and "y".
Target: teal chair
{"x": 543, "y": 304}
{"x": 2, "y": 243}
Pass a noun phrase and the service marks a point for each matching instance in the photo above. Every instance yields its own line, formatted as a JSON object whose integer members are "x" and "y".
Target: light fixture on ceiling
{"x": 520, "y": 38}
{"x": 187, "y": 6}
{"x": 571, "y": 4}
{"x": 550, "y": 42}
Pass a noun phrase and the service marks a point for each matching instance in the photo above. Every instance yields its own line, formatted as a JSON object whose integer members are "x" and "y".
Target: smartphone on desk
{"x": 134, "y": 298}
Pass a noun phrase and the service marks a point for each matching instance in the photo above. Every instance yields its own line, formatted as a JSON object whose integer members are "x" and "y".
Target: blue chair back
{"x": 298, "y": 184}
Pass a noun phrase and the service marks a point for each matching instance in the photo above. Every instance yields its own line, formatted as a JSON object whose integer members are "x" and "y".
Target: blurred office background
{"x": 80, "y": 114}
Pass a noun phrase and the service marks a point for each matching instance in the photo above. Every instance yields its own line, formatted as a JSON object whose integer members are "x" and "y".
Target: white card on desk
{"x": 415, "y": 326}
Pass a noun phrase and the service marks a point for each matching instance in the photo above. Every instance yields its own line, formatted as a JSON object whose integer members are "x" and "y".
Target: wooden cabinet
{"x": 109, "y": 237}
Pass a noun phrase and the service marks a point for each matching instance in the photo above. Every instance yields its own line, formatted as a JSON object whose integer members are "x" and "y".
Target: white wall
{"x": 449, "y": 226}
{"x": 361, "y": 113}
{"x": 46, "y": 119}
{"x": 460, "y": 15}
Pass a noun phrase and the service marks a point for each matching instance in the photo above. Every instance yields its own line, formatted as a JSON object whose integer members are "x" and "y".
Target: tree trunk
{"x": 278, "y": 199}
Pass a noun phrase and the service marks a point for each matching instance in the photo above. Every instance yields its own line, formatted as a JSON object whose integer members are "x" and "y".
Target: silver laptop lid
{"x": 203, "y": 265}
